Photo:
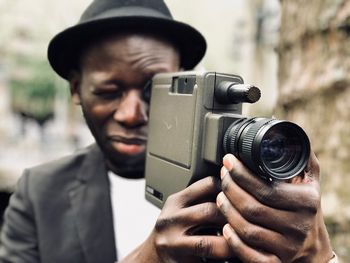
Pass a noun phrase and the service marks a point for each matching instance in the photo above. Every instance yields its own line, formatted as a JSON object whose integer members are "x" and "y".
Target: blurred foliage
{"x": 33, "y": 90}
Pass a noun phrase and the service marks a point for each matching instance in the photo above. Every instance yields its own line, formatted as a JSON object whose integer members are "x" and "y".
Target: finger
{"x": 227, "y": 161}
{"x": 204, "y": 214}
{"x": 244, "y": 252}
{"x": 192, "y": 219}
{"x": 204, "y": 218}
{"x": 204, "y": 246}
{"x": 224, "y": 172}
{"x": 311, "y": 173}
{"x": 312, "y": 170}
{"x": 204, "y": 189}
{"x": 275, "y": 194}
{"x": 251, "y": 234}
{"x": 284, "y": 222}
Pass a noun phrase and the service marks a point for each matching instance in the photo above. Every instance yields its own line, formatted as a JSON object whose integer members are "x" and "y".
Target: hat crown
{"x": 113, "y": 16}
{"x": 98, "y": 7}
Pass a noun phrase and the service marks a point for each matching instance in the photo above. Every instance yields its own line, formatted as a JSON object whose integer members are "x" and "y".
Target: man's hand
{"x": 175, "y": 237}
{"x": 273, "y": 221}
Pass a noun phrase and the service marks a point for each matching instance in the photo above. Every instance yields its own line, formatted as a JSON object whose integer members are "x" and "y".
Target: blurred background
{"x": 297, "y": 52}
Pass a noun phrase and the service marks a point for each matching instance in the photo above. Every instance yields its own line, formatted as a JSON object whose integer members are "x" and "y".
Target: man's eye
{"x": 146, "y": 92}
{"x": 109, "y": 94}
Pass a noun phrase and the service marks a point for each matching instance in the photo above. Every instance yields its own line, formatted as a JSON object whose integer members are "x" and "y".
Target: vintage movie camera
{"x": 196, "y": 118}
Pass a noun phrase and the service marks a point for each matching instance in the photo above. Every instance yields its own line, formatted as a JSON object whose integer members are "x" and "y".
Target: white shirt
{"x": 133, "y": 216}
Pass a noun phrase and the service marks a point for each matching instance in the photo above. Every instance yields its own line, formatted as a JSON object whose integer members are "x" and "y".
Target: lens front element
{"x": 274, "y": 149}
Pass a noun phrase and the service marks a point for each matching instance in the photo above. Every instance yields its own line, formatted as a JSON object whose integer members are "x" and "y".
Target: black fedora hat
{"x": 108, "y": 16}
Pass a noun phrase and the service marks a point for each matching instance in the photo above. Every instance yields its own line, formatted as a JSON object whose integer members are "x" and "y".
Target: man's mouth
{"x": 129, "y": 145}
{"x": 139, "y": 140}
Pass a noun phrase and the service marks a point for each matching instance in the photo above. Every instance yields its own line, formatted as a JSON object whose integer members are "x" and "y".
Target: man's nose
{"x": 132, "y": 110}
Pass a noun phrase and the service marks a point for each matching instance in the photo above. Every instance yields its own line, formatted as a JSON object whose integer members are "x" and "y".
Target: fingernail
{"x": 220, "y": 199}
{"x": 223, "y": 172}
{"x": 227, "y": 231}
{"x": 228, "y": 161}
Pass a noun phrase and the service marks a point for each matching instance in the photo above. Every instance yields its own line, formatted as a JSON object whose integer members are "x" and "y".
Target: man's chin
{"x": 128, "y": 162}
{"x": 122, "y": 155}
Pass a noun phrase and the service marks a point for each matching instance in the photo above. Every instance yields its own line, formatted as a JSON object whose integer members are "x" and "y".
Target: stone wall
{"x": 314, "y": 87}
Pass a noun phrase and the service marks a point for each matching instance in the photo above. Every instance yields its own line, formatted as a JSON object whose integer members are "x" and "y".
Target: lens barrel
{"x": 273, "y": 149}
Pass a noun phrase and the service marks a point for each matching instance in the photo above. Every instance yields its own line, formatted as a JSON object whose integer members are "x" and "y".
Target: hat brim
{"x": 64, "y": 49}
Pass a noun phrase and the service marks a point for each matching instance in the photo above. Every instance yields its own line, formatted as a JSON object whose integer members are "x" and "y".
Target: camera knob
{"x": 251, "y": 93}
{"x": 228, "y": 92}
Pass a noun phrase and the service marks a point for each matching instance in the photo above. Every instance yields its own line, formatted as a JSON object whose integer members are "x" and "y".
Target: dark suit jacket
{"x": 61, "y": 212}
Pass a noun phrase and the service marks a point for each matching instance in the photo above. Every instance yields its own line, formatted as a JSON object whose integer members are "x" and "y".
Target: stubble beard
{"x": 122, "y": 165}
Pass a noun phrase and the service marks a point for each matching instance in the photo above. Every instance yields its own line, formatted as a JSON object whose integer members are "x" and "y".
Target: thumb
{"x": 312, "y": 170}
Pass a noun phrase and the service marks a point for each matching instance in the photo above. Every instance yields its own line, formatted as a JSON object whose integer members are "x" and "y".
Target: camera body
{"x": 196, "y": 118}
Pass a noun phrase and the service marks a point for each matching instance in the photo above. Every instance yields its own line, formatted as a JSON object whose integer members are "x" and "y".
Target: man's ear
{"x": 75, "y": 86}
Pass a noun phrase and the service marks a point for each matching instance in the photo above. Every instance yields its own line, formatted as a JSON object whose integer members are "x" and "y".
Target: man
{"x": 66, "y": 211}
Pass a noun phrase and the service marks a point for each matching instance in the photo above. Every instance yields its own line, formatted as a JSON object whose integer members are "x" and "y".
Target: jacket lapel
{"x": 91, "y": 202}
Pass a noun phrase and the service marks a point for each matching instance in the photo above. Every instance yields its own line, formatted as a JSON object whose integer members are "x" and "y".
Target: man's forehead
{"x": 131, "y": 46}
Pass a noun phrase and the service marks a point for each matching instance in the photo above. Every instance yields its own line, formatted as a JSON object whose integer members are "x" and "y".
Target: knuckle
{"x": 312, "y": 203}
{"x": 161, "y": 243}
{"x": 289, "y": 248}
{"x": 179, "y": 199}
{"x": 163, "y": 223}
{"x": 203, "y": 247}
{"x": 211, "y": 181}
{"x": 302, "y": 231}
{"x": 247, "y": 233}
{"x": 209, "y": 210}
{"x": 208, "y": 183}
{"x": 268, "y": 194}
{"x": 289, "y": 253}
{"x": 164, "y": 245}
{"x": 253, "y": 236}
{"x": 171, "y": 199}
{"x": 293, "y": 250}
{"x": 252, "y": 211}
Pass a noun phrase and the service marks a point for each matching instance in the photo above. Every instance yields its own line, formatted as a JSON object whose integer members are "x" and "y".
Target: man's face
{"x": 109, "y": 88}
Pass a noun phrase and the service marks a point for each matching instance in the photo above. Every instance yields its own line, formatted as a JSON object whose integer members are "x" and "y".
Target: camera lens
{"x": 274, "y": 149}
